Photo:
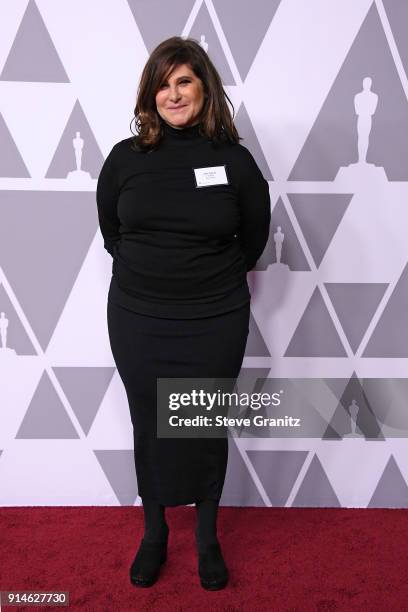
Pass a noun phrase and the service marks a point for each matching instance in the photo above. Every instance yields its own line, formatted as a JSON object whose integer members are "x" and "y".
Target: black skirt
{"x": 175, "y": 471}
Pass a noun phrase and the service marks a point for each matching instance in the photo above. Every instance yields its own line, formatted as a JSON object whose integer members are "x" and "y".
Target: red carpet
{"x": 279, "y": 559}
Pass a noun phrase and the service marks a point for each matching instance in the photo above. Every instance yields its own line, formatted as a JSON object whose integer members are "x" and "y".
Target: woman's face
{"x": 180, "y": 99}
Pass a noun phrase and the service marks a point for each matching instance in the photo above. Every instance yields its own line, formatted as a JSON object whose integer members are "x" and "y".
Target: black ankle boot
{"x": 212, "y": 570}
{"x": 145, "y": 568}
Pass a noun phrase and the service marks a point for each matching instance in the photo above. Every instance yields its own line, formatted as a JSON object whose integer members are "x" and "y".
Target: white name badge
{"x": 212, "y": 175}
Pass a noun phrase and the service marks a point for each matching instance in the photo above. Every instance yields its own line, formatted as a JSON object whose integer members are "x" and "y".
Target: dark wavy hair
{"x": 216, "y": 120}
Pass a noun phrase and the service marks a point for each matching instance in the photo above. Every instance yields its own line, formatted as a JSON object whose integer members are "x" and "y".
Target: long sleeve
{"x": 107, "y": 192}
{"x": 255, "y": 208}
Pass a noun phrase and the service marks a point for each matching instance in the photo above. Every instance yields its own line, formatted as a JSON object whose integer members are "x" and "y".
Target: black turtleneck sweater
{"x": 181, "y": 251}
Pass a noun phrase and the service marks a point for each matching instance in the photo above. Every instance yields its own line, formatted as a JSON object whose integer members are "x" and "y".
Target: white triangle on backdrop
{"x": 103, "y": 53}
{"x": 370, "y": 243}
{"x": 81, "y": 335}
{"x": 52, "y": 472}
{"x": 36, "y": 117}
{"x": 277, "y": 316}
{"x": 361, "y": 462}
{"x": 112, "y": 427}
{"x": 293, "y": 46}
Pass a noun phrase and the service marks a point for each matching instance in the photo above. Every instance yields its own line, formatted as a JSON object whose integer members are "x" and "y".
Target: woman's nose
{"x": 174, "y": 94}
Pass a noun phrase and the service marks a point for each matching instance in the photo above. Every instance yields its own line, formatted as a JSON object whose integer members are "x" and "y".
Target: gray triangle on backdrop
{"x": 63, "y": 160}
{"x": 391, "y": 490}
{"x": 332, "y": 140}
{"x": 337, "y": 386}
{"x": 241, "y": 22}
{"x": 388, "y": 397}
{"x": 315, "y": 334}
{"x": 119, "y": 469}
{"x": 355, "y": 305}
{"x": 42, "y": 265}
{"x": 33, "y": 56}
{"x": 250, "y": 140}
{"x": 85, "y": 389}
{"x": 397, "y": 14}
{"x": 239, "y": 488}
{"x": 255, "y": 346}
{"x": 319, "y": 216}
{"x": 331, "y": 434}
{"x": 367, "y": 425}
{"x": 390, "y": 335}
{"x": 158, "y": 21}
{"x": 204, "y": 27}
{"x": 316, "y": 489}
{"x": 46, "y": 417}
{"x": 17, "y": 338}
{"x": 11, "y": 163}
{"x": 250, "y": 381}
{"x": 278, "y": 471}
{"x": 292, "y": 252}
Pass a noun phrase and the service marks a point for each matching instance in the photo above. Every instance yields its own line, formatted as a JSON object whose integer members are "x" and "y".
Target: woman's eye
{"x": 183, "y": 81}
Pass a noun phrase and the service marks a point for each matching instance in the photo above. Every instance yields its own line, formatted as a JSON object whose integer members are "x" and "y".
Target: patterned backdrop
{"x": 320, "y": 95}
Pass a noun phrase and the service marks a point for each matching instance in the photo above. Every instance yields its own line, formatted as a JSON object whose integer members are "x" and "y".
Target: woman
{"x": 184, "y": 210}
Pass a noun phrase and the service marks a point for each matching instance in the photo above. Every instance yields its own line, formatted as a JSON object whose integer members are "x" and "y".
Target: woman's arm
{"x": 255, "y": 208}
{"x": 107, "y": 192}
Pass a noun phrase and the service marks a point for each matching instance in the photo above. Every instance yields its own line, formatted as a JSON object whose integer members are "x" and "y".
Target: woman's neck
{"x": 190, "y": 132}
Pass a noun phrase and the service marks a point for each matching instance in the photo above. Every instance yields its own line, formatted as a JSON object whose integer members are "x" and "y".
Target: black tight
{"x": 206, "y": 531}
{"x": 156, "y": 528}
